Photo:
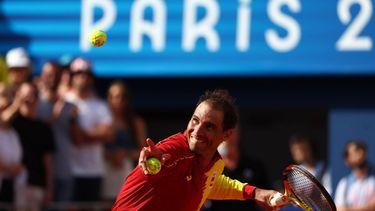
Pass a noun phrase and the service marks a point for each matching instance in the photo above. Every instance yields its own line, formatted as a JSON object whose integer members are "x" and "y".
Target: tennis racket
{"x": 303, "y": 190}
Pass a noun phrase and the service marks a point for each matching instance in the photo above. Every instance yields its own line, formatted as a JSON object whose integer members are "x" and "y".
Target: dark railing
{"x": 62, "y": 206}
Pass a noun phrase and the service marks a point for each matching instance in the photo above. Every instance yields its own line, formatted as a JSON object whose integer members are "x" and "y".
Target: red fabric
{"x": 249, "y": 192}
{"x": 178, "y": 186}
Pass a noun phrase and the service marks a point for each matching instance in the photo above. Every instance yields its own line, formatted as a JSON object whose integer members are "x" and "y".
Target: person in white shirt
{"x": 356, "y": 191}
{"x": 11, "y": 167}
{"x": 94, "y": 128}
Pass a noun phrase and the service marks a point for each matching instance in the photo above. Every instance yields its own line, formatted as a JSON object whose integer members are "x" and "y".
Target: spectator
{"x": 94, "y": 129}
{"x": 239, "y": 167}
{"x": 356, "y": 191}
{"x": 11, "y": 167}
{"x": 38, "y": 146}
{"x": 64, "y": 84}
{"x": 130, "y": 134}
{"x": 3, "y": 71}
{"x": 54, "y": 110}
{"x": 19, "y": 66}
{"x": 304, "y": 153}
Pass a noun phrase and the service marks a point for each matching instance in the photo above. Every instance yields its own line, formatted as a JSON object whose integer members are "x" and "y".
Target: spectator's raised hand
{"x": 57, "y": 109}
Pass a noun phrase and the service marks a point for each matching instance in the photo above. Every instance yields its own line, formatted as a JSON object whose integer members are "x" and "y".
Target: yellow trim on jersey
{"x": 221, "y": 187}
{"x": 226, "y": 188}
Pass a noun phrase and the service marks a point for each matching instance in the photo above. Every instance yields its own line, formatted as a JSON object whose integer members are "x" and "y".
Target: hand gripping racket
{"x": 303, "y": 190}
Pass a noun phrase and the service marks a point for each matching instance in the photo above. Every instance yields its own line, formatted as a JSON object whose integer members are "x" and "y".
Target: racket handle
{"x": 277, "y": 200}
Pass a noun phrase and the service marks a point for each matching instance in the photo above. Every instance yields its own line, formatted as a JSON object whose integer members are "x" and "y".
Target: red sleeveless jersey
{"x": 180, "y": 185}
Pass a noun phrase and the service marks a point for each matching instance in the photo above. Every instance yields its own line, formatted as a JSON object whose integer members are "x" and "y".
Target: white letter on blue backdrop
{"x": 155, "y": 29}
{"x": 289, "y": 42}
{"x": 243, "y": 25}
{"x": 87, "y": 19}
{"x": 193, "y": 30}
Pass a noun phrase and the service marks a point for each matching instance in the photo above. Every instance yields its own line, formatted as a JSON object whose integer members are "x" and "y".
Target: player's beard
{"x": 197, "y": 144}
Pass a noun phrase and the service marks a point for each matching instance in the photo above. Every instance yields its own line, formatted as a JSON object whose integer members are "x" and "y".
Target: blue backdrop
{"x": 244, "y": 38}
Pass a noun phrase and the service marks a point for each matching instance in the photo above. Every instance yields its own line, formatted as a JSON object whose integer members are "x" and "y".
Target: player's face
{"x": 205, "y": 130}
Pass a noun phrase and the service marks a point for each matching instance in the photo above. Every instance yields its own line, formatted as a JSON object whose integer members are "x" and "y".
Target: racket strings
{"x": 307, "y": 192}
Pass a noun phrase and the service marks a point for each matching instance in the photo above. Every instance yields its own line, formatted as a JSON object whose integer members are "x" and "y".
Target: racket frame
{"x": 289, "y": 193}
{"x": 293, "y": 198}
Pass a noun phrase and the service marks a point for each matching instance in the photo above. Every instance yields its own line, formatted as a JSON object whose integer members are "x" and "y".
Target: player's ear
{"x": 228, "y": 133}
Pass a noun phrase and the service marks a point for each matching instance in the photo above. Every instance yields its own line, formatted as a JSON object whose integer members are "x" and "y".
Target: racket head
{"x": 304, "y": 190}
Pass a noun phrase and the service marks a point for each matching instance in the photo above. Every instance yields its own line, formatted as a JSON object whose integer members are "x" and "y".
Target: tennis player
{"x": 192, "y": 167}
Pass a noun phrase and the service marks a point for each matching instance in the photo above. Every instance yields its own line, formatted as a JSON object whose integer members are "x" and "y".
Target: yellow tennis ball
{"x": 98, "y": 38}
{"x": 153, "y": 165}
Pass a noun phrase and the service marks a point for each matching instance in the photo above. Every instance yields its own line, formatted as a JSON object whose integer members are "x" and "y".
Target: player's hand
{"x": 151, "y": 151}
{"x": 263, "y": 197}
{"x": 278, "y": 199}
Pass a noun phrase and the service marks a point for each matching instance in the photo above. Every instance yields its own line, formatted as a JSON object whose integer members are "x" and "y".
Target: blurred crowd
{"x": 59, "y": 141}
{"x": 64, "y": 147}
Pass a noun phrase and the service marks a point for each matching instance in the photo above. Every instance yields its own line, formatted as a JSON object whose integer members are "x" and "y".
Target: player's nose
{"x": 199, "y": 129}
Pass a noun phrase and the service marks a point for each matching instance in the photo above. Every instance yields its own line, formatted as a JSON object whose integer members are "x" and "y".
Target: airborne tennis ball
{"x": 98, "y": 38}
{"x": 153, "y": 165}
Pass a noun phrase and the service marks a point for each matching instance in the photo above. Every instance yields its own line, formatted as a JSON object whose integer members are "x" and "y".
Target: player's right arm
{"x": 226, "y": 188}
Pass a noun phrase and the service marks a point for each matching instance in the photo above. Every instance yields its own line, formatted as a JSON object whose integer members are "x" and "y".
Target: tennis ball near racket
{"x": 153, "y": 165}
{"x": 98, "y": 38}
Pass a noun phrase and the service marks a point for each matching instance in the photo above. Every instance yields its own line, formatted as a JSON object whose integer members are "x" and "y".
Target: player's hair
{"x": 220, "y": 99}
{"x": 358, "y": 144}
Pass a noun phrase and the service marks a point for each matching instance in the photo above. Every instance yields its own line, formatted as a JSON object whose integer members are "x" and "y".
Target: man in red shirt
{"x": 192, "y": 167}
